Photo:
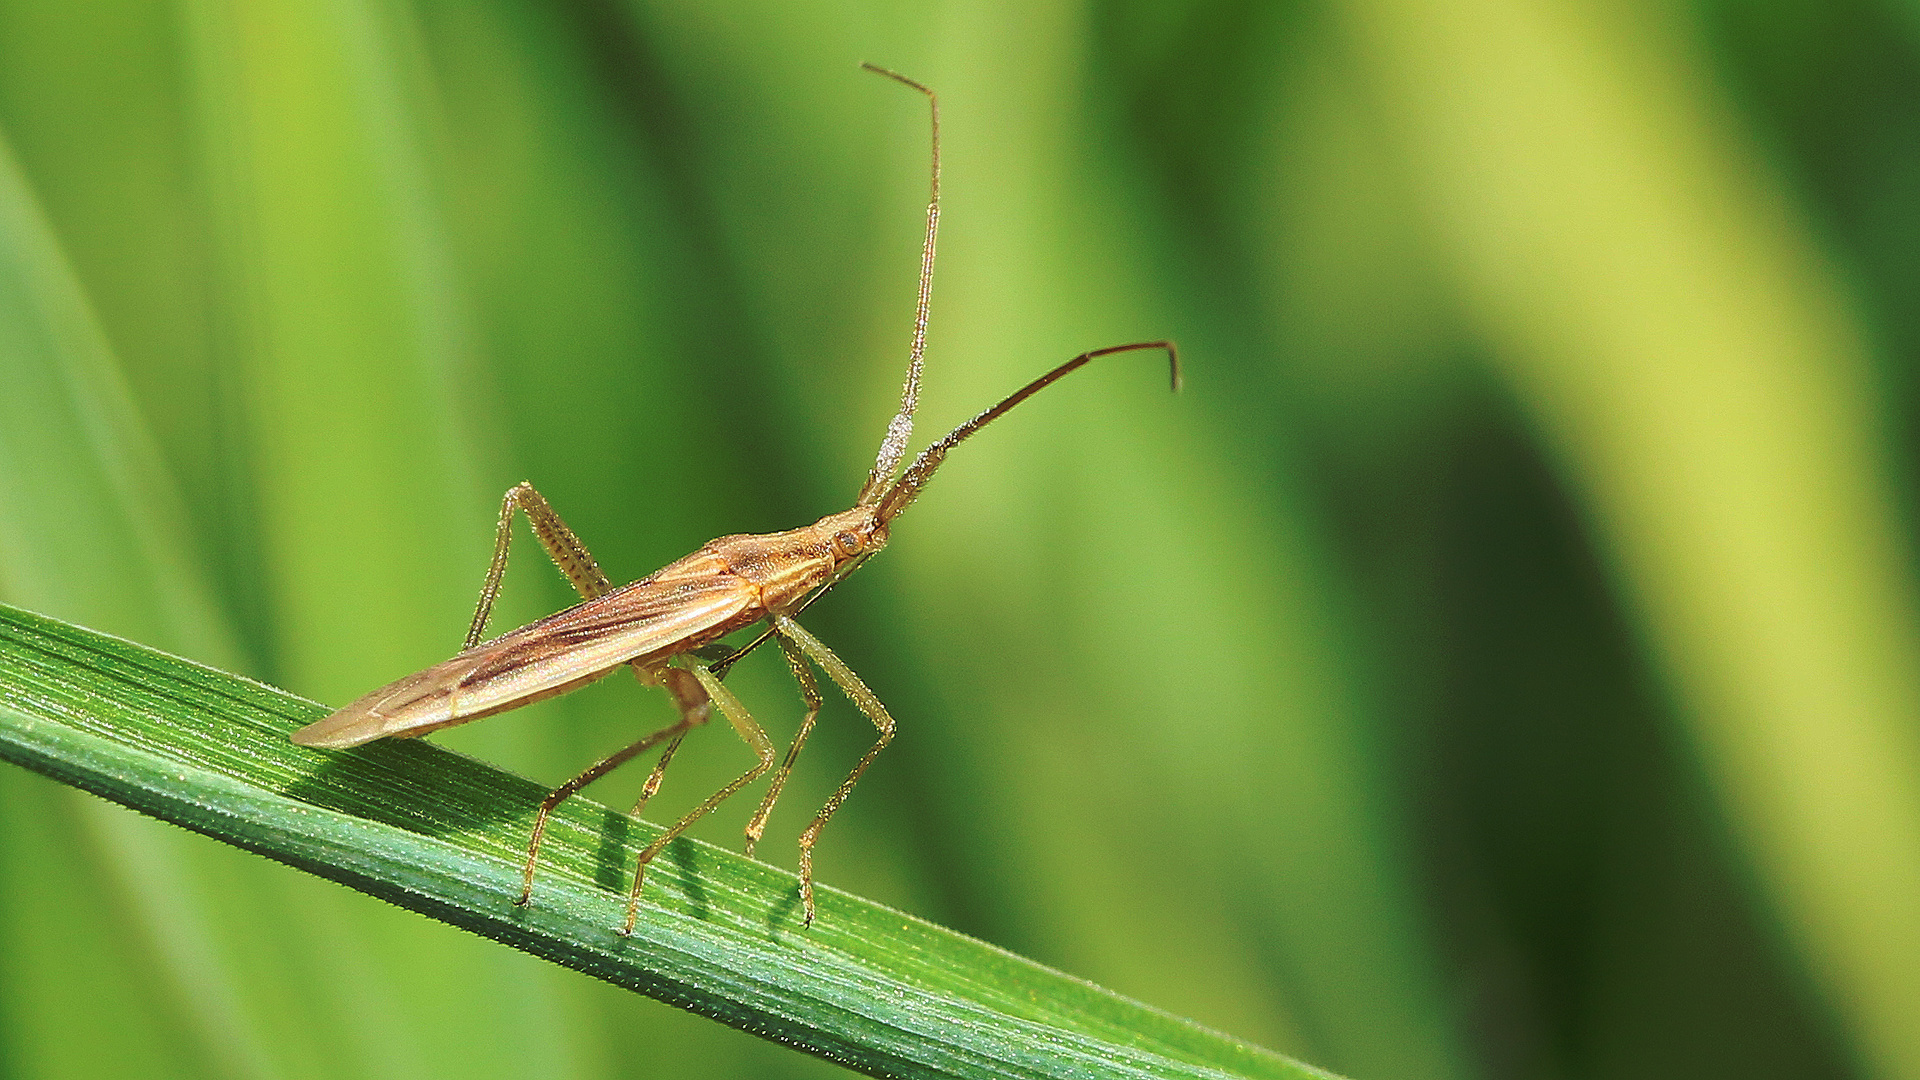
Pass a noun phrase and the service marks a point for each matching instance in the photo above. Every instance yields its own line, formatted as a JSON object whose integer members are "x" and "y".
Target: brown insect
{"x": 667, "y": 626}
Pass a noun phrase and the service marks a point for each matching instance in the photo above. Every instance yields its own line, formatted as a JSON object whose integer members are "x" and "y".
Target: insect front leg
{"x": 695, "y": 709}
{"x": 810, "y": 690}
{"x": 750, "y": 733}
{"x": 857, "y": 692}
{"x": 566, "y": 550}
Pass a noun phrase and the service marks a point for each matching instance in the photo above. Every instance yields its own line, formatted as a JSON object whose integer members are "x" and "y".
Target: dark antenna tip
{"x": 902, "y": 492}
{"x": 894, "y": 75}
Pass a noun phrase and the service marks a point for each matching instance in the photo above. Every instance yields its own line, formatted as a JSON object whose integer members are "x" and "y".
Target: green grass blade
{"x": 442, "y": 834}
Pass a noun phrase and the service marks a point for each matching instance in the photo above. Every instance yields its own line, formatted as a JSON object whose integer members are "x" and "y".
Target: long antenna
{"x": 900, "y": 429}
{"x": 897, "y": 497}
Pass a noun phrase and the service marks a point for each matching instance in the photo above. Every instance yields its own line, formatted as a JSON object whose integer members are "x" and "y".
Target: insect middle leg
{"x": 750, "y": 733}
{"x": 857, "y": 692}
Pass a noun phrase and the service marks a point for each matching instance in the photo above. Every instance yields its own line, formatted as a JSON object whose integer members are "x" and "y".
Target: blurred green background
{"x": 1500, "y": 663}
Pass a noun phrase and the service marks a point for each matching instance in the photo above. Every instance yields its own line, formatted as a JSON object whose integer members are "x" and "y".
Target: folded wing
{"x": 682, "y": 607}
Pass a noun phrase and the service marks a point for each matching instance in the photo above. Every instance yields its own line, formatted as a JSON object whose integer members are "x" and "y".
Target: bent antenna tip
{"x": 867, "y": 65}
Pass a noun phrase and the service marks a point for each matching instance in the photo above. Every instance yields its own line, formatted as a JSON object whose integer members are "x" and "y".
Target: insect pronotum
{"x": 667, "y": 626}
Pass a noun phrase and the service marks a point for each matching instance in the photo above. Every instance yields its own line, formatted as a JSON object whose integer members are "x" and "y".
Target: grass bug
{"x": 667, "y": 626}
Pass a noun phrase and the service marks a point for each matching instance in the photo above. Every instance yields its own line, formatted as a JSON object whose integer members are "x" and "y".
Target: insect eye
{"x": 846, "y": 543}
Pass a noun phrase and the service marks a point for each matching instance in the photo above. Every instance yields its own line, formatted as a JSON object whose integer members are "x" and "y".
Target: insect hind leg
{"x": 695, "y": 708}
{"x": 566, "y": 550}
